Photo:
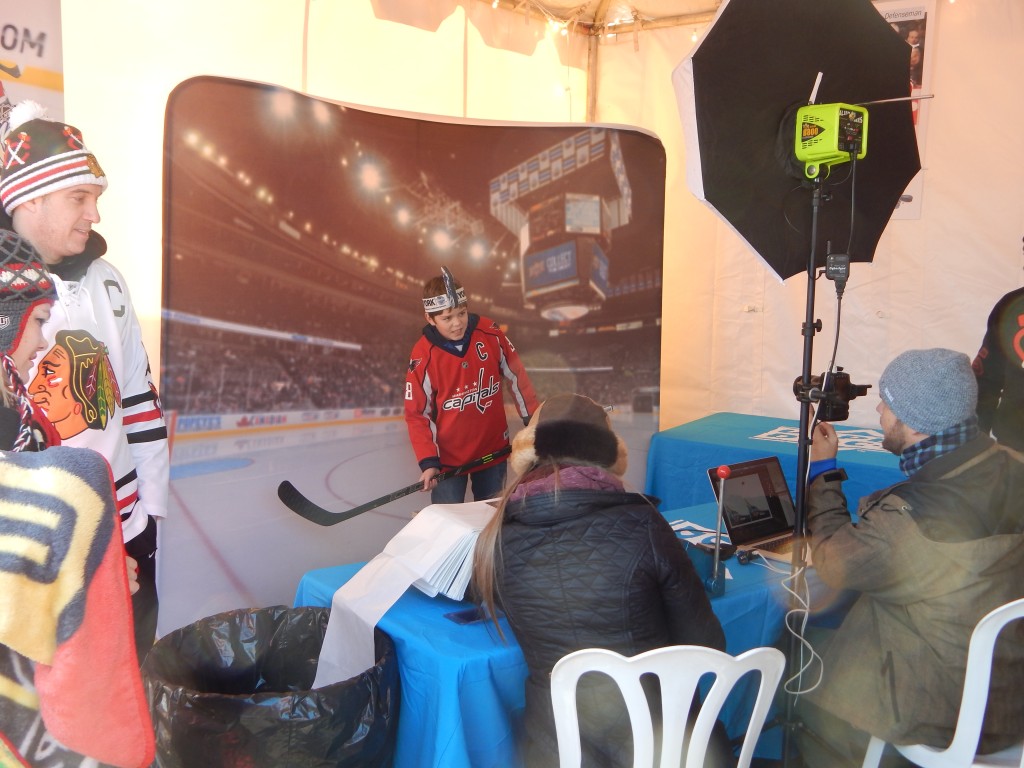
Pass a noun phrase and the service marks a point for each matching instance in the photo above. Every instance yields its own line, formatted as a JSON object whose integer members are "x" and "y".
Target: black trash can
{"x": 233, "y": 690}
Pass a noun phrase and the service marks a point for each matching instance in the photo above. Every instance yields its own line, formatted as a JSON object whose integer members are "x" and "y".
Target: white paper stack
{"x": 453, "y": 529}
{"x": 434, "y": 553}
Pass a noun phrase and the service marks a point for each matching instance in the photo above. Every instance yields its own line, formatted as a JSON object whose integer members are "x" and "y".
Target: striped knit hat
{"x": 41, "y": 156}
{"x": 24, "y": 283}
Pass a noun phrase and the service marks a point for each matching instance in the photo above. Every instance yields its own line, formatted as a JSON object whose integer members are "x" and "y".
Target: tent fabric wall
{"x": 452, "y": 71}
{"x": 731, "y": 337}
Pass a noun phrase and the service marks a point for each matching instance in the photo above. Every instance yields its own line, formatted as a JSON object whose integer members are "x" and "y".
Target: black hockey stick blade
{"x": 299, "y": 504}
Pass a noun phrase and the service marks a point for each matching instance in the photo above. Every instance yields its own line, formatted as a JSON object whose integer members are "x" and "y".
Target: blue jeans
{"x": 488, "y": 483}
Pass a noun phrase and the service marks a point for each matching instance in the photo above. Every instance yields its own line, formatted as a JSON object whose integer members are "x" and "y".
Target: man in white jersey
{"x": 93, "y": 379}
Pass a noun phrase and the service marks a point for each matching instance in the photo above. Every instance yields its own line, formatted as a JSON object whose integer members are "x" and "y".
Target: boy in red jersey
{"x": 454, "y": 406}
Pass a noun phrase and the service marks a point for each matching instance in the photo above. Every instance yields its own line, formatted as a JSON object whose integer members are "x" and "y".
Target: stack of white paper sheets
{"x": 434, "y": 553}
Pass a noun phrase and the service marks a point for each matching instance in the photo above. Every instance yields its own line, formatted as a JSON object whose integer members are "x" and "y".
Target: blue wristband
{"x": 820, "y": 467}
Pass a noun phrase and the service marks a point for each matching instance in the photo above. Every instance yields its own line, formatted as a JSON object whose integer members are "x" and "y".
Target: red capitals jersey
{"x": 454, "y": 406}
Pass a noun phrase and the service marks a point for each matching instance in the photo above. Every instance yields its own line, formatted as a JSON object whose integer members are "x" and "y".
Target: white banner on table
{"x": 438, "y": 542}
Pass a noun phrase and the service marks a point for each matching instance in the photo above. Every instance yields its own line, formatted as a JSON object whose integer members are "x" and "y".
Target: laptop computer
{"x": 758, "y": 512}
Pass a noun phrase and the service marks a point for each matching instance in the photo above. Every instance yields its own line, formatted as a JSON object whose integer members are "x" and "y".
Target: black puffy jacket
{"x": 593, "y": 568}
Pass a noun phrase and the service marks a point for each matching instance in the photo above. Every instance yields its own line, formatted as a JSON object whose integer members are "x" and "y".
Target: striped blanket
{"x": 69, "y": 676}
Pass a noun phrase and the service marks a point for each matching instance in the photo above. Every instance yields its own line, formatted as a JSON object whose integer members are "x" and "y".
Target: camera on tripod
{"x": 834, "y": 397}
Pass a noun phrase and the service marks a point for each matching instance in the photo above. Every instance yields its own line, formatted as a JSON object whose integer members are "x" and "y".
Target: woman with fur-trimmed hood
{"x": 576, "y": 561}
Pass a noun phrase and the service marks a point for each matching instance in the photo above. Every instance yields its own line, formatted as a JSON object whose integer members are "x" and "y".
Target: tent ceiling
{"x": 600, "y": 13}
{"x": 586, "y": 17}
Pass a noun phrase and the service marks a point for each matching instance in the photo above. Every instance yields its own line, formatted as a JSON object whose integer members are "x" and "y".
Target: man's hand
{"x": 824, "y": 442}
{"x": 429, "y": 478}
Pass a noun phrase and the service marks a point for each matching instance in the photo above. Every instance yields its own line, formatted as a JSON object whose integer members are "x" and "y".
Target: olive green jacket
{"x": 930, "y": 556}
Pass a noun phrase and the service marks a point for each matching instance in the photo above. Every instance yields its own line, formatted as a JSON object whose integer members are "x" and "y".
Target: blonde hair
{"x": 16, "y": 397}
{"x": 485, "y": 561}
{"x": 487, "y": 553}
{"x": 7, "y": 392}
{"x": 523, "y": 461}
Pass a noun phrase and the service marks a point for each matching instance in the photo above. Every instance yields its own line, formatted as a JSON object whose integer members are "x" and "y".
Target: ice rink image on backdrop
{"x": 230, "y": 543}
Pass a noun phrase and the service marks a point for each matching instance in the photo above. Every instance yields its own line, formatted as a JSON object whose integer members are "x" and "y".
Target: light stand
{"x": 809, "y": 328}
{"x": 826, "y": 134}
{"x": 799, "y": 562}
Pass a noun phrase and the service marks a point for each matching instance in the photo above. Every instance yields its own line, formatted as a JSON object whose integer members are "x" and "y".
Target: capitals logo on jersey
{"x": 479, "y": 395}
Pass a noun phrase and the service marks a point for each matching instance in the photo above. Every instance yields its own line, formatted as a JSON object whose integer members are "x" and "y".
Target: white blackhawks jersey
{"x": 94, "y": 383}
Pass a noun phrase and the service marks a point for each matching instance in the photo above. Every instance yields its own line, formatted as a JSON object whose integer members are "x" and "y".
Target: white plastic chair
{"x": 961, "y": 751}
{"x": 679, "y": 669}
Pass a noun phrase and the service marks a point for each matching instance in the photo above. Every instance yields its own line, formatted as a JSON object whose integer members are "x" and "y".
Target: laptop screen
{"x": 757, "y": 500}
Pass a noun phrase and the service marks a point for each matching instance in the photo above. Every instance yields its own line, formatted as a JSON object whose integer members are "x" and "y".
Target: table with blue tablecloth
{"x": 462, "y": 693}
{"x": 679, "y": 458}
{"x": 463, "y": 688}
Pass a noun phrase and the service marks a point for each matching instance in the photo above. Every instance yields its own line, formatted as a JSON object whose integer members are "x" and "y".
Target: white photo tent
{"x": 731, "y": 337}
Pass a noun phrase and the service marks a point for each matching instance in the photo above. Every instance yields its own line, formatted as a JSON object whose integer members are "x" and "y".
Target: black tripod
{"x": 809, "y": 328}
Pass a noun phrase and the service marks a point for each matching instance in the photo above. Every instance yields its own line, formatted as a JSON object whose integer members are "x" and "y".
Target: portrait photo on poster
{"x": 914, "y": 20}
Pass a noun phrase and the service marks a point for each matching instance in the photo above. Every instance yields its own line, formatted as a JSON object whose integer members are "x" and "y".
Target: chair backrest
{"x": 679, "y": 669}
{"x": 979, "y": 673}
{"x": 961, "y": 751}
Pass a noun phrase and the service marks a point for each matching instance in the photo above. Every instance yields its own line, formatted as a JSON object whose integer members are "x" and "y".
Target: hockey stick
{"x": 296, "y": 502}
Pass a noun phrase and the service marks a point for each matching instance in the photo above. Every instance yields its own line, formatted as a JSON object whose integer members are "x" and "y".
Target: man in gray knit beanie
{"x": 929, "y": 391}
{"x": 927, "y": 558}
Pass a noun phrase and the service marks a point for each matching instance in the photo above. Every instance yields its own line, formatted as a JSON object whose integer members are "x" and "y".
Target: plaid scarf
{"x": 933, "y": 446}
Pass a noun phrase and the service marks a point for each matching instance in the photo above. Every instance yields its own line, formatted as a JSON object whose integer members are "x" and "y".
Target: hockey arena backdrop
{"x": 298, "y": 235}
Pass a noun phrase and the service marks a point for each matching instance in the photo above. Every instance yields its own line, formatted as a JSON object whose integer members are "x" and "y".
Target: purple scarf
{"x": 548, "y": 479}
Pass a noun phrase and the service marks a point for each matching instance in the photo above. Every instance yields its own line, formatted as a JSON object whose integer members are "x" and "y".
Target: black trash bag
{"x": 233, "y": 690}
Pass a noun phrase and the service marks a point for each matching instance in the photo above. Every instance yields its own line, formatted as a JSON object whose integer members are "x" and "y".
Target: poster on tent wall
{"x": 31, "y": 59}
{"x": 915, "y": 21}
{"x": 298, "y": 236}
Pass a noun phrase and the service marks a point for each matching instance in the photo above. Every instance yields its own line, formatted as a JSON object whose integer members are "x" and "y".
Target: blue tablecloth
{"x": 463, "y": 688}
{"x": 678, "y": 459}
